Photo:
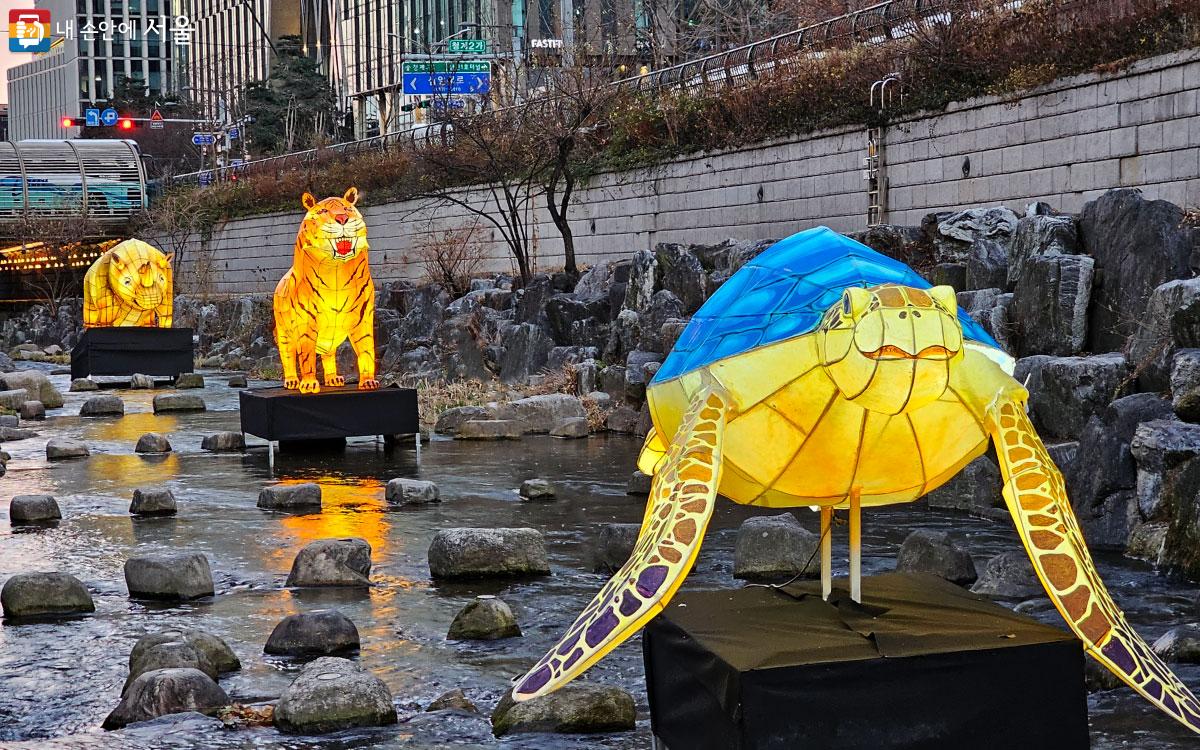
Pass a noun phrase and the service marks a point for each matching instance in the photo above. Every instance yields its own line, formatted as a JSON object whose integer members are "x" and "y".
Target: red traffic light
{"x": 125, "y": 124}
{"x": 68, "y": 122}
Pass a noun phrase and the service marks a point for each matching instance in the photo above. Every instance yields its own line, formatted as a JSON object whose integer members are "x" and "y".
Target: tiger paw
{"x": 334, "y": 380}
{"x": 310, "y": 385}
{"x": 291, "y": 383}
{"x": 369, "y": 384}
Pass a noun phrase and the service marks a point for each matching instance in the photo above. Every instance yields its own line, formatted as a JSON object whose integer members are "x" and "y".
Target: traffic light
{"x": 70, "y": 122}
{"x": 419, "y": 104}
{"x": 126, "y": 124}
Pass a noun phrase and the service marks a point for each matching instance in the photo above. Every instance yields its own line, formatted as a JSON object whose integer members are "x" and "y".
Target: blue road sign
{"x": 447, "y": 83}
{"x": 205, "y": 178}
{"x": 234, "y": 133}
{"x": 203, "y": 139}
{"x": 109, "y": 116}
{"x": 91, "y": 117}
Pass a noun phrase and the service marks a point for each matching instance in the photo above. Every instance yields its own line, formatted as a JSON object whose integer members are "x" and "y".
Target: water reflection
{"x": 349, "y": 507}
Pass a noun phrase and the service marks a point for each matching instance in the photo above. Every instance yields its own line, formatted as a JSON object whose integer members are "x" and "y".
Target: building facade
{"x": 97, "y": 43}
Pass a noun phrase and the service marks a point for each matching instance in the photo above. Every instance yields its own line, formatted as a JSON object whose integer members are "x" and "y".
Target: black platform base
{"x": 921, "y": 663}
{"x": 288, "y": 416}
{"x": 162, "y": 352}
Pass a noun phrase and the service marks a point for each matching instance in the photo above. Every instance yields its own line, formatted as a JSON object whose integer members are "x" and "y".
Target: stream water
{"x": 59, "y": 679}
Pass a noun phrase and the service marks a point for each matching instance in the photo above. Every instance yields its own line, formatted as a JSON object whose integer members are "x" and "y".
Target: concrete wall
{"x": 1063, "y": 143}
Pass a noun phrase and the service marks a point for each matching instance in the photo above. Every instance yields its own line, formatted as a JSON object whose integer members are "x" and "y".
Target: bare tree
{"x": 55, "y": 249}
{"x": 173, "y": 220}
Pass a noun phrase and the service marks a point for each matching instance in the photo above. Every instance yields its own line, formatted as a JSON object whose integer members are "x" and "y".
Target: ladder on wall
{"x": 874, "y": 163}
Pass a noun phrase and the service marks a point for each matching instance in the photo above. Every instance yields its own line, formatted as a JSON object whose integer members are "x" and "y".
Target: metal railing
{"x": 103, "y": 180}
{"x": 877, "y": 24}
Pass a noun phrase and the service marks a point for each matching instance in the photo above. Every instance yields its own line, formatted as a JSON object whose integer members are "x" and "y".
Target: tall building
{"x": 96, "y": 43}
{"x": 235, "y": 45}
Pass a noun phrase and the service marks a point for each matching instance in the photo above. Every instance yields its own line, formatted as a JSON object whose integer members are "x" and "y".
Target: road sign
{"x": 448, "y": 66}
{"x": 469, "y": 46}
{"x": 236, "y": 162}
{"x": 91, "y": 117}
{"x": 447, "y": 83}
{"x": 450, "y": 103}
{"x": 234, "y": 134}
{"x": 109, "y": 116}
{"x": 205, "y": 178}
{"x": 156, "y": 120}
{"x": 203, "y": 139}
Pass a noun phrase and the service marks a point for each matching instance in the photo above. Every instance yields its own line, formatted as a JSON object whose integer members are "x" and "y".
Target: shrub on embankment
{"x": 994, "y": 50}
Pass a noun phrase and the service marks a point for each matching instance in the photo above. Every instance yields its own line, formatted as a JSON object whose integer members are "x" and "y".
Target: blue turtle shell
{"x": 783, "y": 293}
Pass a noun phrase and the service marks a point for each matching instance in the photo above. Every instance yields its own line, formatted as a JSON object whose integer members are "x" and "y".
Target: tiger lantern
{"x": 326, "y": 297}
{"x": 129, "y": 285}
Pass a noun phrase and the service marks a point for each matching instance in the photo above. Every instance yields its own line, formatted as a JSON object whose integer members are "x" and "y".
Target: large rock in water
{"x": 1102, "y": 479}
{"x": 487, "y": 553}
{"x": 1179, "y": 645}
{"x": 300, "y": 497}
{"x": 33, "y": 509}
{"x": 975, "y": 489}
{"x": 1168, "y": 485}
{"x": 211, "y": 648}
{"x": 153, "y": 502}
{"x": 1138, "y": 245}
{"x": 1065, "y": 392}
{"x": 321, "y": 632}
{"x": 485, "y": 619}
{"x": 450, "y": 420}
{"x": 937, "y": 553}
{"x": 167, "y": 691}
{"x": 612, "y": 545}
{"x": 224, "y": 442}
{"x": 152, "y": 442}
{"x": 36, "y": 383}
{"x": 102, "y": 406}
{"x": 1009, "y": 575}
{"x": 332, "y": 562}
{"x": 1050, "y": 305}
{"x": 170, "y": 402}
{"x": 44, "y": 594}
{"x": 774, "y": 547}
{"x": 411, "y": 492}
{"x": 541, "y": 413}
{"x": 491, "y": 429}
{"x": 168, "y": 655}
{"x": 331, "y": 694}
{"x": 177, "y": 576}
{"x": 61, "y": 448}
{"x": 572, "y": 709}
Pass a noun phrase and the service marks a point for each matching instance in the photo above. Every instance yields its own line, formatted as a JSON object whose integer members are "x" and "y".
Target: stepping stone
{"x": 211, "y": 647}
{"x": 402, "y": 491}
{"x": 102, "y": 406}
{"x": 44, "y": 594}
{"x": 769, "y": 547}
{"x": 83, "y": 384}
{"x": 485, "y": 619}
{"x": 224, "y": 442}
{"x": 491, "y": 429}
{"x": 171, "y": 402}
{"x": 153, "y": 502}
{"x": 306, "y": 496}
{"x": 178, "y": 576}
{"x": 167, "y": 691}
{"x": 573, "y": 709}
{"x": 189, "y": 380}
{"x": 612, "y": 546}
{"x": 571, "y": 428}
{"x": 33, "y": 410}
{"x": 168, "y": 655}
{"x": 141, "y": 382}
{"x": 487, "y": 553}
{"x": 152, "y": 442}
{"x": 537, "y": 490}
{"x": 60, "y": 448}
{"x": 319, "y": 633}
{"x": 332, "y": 562}
{"x": 33, "y": 509}
{"x": 331, "y": 694}
{"x": 237, "y": 381}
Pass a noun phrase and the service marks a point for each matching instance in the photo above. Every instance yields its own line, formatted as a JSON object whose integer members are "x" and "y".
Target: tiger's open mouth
{"x": 343, "y": 247}
{"x": 888, "y": 351}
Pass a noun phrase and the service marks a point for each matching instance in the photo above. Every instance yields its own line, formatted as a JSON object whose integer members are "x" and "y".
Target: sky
{"x": 9, "y": 59}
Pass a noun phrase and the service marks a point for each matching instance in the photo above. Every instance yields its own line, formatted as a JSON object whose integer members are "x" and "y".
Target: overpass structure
{"x": 102, "y": 182}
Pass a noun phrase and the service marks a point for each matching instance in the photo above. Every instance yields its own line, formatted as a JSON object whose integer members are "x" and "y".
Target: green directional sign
{"x": 448, "y": 66}
{"x": 468, "y": 46}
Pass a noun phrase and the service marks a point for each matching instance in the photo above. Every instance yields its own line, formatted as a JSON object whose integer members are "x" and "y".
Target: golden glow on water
{"x": 351, "y": 506}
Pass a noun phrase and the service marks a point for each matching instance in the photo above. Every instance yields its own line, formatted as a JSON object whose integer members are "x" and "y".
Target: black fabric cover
{"x": 921, "y": 663}
{"x": 280, "y": 414}
{"x": 165, "y": 352}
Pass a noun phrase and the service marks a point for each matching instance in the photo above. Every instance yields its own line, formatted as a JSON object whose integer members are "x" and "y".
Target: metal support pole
{"x": 271, "y": 456}
{"x": 855, "y": 544}
{"x": 826, "y": 552}
{"x": 418, "y": 437}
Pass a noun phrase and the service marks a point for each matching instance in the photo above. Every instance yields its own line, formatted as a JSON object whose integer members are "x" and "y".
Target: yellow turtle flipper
{"x": 1037, "y": 499}
{"x": 680, "y": 506}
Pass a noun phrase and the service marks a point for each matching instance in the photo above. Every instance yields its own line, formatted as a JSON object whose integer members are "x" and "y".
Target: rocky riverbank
{"x": 1102, "y": 308}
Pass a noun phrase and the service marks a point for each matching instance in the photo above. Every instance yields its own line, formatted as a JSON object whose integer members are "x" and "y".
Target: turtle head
{"x": 889, "y": 348}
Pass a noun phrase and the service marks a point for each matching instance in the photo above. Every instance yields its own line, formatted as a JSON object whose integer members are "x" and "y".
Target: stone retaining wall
{"x": 1064, "y": 143}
